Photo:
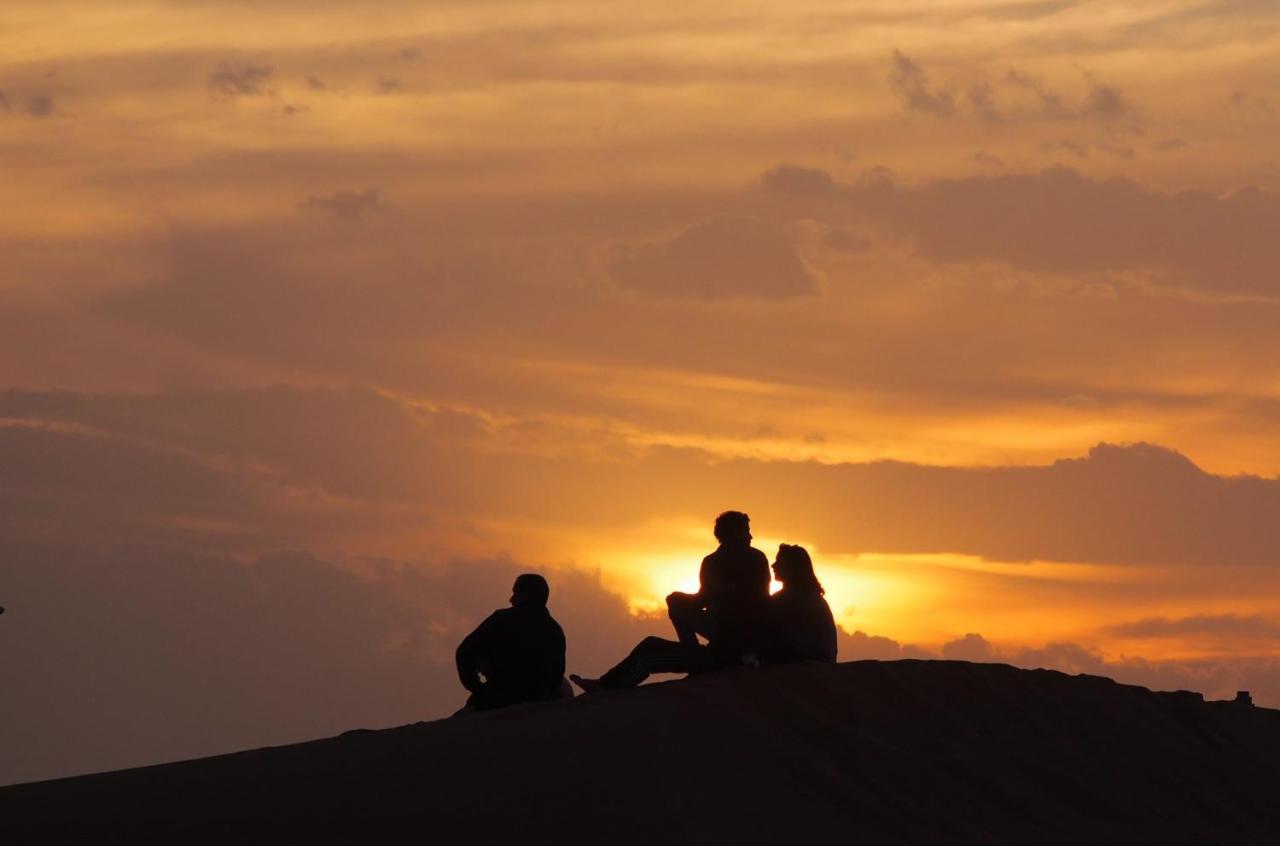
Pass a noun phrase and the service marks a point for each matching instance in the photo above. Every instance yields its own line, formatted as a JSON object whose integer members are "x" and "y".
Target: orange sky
{"x": 426, "y": 285}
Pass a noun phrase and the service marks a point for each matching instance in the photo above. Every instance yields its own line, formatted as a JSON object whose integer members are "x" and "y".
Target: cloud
{"x": 346, "y": 203}
{"x": 1105, "y": 102}
{"x": 41, "y": 105}
{"x": 971, "y": 647}
{"x": 1060, "y": 221}
{"x": 353, "y": 443}
{"x": 329, "y": 298}
{"x": 303, "y": 457}
{"x": 845, "y": 240}
{"x": 1118, "y": 150}
{"x": 315, "y": 83}
{"x": 1084, "y": 149}
{"x": 1125, "y": 505}
{"x": 1046, "y": 103}
{"x": 794, "y": 180}
{"x": 1015, "y": 96}
{"x": 986, "y": 159}
{"x": 4, "y": 102}
{"x": 723, "y": 258}
{"x": 245, "y": 80}
{"x": 1102, "y": 102}
{"x": 111, "y": 489}
{"x": 1081, "y": 401}
{"x": 1201, "y": 625}
{"x": 860, "y": 646}
{"x": 1075, "y": 148}
{"x": 387, "y": 85}
{"x": 1248, "y": 101}
{"x": 982, "y": 100}
{"x": 910, "y": 83}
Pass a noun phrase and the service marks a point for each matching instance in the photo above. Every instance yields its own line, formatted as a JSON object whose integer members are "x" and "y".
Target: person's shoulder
{"x": 757, "y": 555}
{"x": 554, "y": 625}
{"x": 497, "y": 618}
{"x": 785, "y": 599}
{"x": 822, "y": 608}
{"x": 490, "y": 624}
{"x": 534, "y": 615}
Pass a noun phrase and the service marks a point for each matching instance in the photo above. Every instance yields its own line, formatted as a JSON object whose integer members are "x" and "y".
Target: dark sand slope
{"x": 869, "y": 752}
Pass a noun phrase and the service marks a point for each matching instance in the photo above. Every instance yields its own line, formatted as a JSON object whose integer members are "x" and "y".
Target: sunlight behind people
{"x": 322, "y": 322}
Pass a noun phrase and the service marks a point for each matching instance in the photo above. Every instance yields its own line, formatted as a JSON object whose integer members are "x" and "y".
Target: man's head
{"x": 530, "y": 589}
{"x": 733, "y": 528}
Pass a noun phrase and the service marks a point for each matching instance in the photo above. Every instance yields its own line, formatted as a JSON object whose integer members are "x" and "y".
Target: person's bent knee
{"x": 682, "y": 600}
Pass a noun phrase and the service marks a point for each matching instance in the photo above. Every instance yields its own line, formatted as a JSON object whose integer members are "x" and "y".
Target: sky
{"x": 319, "y": 322}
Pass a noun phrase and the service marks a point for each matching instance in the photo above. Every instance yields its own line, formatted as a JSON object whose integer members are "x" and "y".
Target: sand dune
{"x": 866, "y": 752}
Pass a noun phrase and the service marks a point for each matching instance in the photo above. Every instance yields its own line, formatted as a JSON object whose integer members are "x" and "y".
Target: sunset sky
{"x": 320, "y": 321}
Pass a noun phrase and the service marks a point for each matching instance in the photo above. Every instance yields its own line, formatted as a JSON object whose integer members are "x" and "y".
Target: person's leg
{"x": 689, "y": 618}
{"x": 655, "y": 655}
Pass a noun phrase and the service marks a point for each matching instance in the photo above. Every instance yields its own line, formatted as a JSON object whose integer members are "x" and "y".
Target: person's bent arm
{"x": 468, "y": 656}
{"x": 707, "y": 583}
{"x": 557, "y": 658}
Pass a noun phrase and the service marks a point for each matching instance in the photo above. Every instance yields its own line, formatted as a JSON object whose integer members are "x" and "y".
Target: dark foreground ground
{"x": 869, "y": 752}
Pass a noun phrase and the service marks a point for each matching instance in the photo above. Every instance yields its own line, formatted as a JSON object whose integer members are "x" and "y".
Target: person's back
{"x": 520, "y": 651}
{"x": 735, "y": 589}
{"x": 801, "y": 623}
{"x": 733, "y": 574}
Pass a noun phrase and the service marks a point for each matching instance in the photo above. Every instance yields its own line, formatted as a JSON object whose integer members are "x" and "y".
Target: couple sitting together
{"x": 517, "y": 654}
{"x": 736, "y": 615}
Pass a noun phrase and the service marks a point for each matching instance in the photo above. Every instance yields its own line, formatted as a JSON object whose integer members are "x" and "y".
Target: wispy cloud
{"x": 230, "y": 80}
{"x": 346, "y": 203}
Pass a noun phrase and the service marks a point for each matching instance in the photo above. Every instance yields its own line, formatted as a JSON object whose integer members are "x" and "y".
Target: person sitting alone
{"x": 802, "y": 627}
{"x": 733, "y": 591}
{"x": 517, "y": 654}
{"x": 798, "y": 627}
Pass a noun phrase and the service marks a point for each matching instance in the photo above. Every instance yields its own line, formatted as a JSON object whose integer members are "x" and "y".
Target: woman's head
{"x": 794, "y": 569}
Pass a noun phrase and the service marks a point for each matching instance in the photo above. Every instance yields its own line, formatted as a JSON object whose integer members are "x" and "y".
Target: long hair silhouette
{"x": 796, "y": 569}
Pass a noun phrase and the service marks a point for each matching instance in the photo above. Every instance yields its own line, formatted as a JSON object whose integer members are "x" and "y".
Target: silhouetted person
{"x": 733, "y": 591}
{"x": 518, "y": 650}
{"x": 800, "y": 621}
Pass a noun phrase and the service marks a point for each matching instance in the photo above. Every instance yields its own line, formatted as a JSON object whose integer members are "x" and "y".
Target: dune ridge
{"x": 881, "y": 752}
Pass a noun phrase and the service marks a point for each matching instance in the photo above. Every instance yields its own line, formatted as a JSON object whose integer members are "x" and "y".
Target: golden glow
{"x": 164, "y": 230}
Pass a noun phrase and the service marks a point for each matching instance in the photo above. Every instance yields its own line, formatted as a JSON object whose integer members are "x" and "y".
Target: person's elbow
{"x": 464, "y": 660}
